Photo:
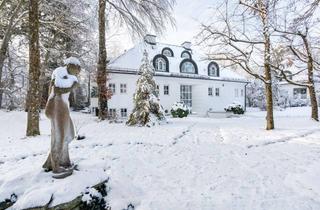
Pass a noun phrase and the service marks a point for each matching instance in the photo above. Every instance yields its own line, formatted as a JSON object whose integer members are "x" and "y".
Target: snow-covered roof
{"x": 131, "y": 61}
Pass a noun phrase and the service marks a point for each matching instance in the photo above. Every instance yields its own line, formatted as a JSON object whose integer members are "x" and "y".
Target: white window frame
{"x": 186, "y": 94}
{"x": 113, "y": 112}
{"x": 210, "y": 91}
{"x": 166, "y": 92}
{"x": 161, "y": 62}
{"x": 297, "y": 93}
{"x": 122, "y": 111}
{"x": 123, "y": 88}
{"x": 112, "y": 87}
{"x": 167, "y": 52}
{"x": 217, "y": 91}
{"x": 186, "y": 66}
{"x": 185, "y": 53}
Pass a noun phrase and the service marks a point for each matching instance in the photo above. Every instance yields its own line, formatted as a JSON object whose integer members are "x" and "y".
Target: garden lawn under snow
{"x": 191, "y": 163}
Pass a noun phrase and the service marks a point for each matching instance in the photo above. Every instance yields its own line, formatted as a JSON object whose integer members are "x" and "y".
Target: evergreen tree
{"x": 147, "y": 109}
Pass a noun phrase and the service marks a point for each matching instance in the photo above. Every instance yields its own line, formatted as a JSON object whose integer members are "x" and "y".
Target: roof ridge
{"x": 170, "y": 44}
{"x": 126, "y": 51}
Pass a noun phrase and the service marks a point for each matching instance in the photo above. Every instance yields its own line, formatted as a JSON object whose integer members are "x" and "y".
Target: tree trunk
{"x": 34, "y": 70}
{"x": 267, "y": 65}
{"x": 312, "y": 92}
{"x": 314, "y": 104}
{"x": 102, "y": 63}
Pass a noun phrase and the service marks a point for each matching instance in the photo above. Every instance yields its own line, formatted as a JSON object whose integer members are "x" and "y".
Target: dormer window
{"x": 186, "y": 54}
{"x": 167, "y": 52}
{"x": 161, "y": 63}
{"x": 213, "y": 69}
{"x": 188, "y": 66}
{"x": 288, "y": 74}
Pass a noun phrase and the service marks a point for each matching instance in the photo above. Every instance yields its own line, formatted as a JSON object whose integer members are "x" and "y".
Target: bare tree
{"x": 241, "y": 37}
{"x": 14, "y": 18}
{"x": 138, "y": 17}
{"x": 33, "y": 99}
{"x": 300, "y": 41}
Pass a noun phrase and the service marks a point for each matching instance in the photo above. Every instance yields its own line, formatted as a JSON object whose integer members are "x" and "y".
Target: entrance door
{"x": 186, "y": 95}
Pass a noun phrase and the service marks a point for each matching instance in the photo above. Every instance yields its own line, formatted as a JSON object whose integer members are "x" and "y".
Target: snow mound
{"x": 62, "y": 79}
{"x": 72, "y": 60}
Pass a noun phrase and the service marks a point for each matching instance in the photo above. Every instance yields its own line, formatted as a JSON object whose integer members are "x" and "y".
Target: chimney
{"x": 150, "y": 39}
{"x": 186, "y": 45}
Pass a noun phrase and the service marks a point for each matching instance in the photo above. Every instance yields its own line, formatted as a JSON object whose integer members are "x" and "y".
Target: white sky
{"x": 187, "y": 13}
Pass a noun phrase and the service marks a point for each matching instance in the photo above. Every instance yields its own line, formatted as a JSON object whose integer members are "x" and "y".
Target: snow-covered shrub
{"x": 147, "y": 109}
{"x": 235, "y": 108}
{"x": 94, "y": 198}
{"x": 180, "y": 110}
{"x": 283, "y": 99}
{"x": 8, "y": 202}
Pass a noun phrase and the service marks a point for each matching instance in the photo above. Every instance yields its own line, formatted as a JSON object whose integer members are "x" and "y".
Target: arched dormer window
{"x": 288, "y": 74}
{"x": 188, "y": 66}
{"x": 186, "y": 54}
{"x": 167, "y": 52}
{"x": 161, "y": 63}
{"x": 213, "y": 69}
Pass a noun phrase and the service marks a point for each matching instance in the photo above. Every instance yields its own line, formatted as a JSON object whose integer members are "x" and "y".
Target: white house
{"x": 298, "y": 95}
{"x": 181, "y": 75}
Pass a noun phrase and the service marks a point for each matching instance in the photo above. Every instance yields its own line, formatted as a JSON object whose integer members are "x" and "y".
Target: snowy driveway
{"x": 191, "y": 163}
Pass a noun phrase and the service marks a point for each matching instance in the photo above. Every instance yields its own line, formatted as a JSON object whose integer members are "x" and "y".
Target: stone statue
{"x": 63, "y": 80}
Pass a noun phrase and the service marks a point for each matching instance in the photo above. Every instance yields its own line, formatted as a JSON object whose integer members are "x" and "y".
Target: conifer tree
{"x": 147, "y": 109}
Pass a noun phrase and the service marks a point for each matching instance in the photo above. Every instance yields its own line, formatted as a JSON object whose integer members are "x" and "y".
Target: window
{"x": 217, "y": 92}
{"x": 300, "y": 93}
{"x": 288, "y": 74}
{"x": 213, "y": 69}
{"x": 188, "y": 66}
{"x": 94, "y": 92}
{"x": 242, "y": 92}
{"x": 210, "y": 92}
{"x": 167, "y": 52}
{"x": 123, "y": 112}
{"x": 123, "y": 88}
{"x": 112, "y": 113}
{"x": 166, "y": 90}
{"x": 112, "y": 87}
{"x": 236, "y": 93}
{"x": 186, "y": 54}
{"x": 186, "y": 95}
{"x": 161, "y": 63}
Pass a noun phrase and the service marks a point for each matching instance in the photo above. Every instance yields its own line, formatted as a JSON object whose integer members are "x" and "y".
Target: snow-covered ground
{"x": 190, "y": 163}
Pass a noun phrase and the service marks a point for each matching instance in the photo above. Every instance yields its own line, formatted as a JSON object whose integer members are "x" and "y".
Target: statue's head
{"x": 73, "y": 69}
{"x": 73, "y": 65}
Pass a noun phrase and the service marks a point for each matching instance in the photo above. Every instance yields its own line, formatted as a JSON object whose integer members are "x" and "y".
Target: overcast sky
{"x": 187, "y": 14}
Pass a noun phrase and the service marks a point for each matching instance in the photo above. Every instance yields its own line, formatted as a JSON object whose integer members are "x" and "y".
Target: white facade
{"x": 297, "y": 93}
{"x": 203, "y": 92}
